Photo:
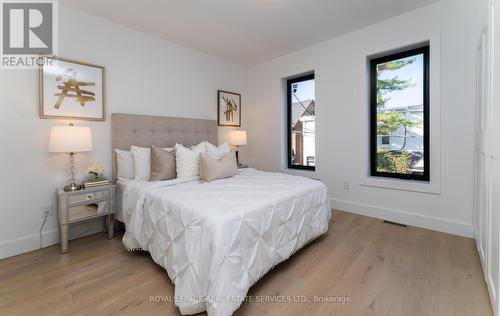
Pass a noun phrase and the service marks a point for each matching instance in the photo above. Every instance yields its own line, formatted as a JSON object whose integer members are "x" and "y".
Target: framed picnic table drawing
{"x": 71, "y": 89}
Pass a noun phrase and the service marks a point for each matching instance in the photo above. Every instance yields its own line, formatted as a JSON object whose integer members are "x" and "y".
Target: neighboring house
{"x": 303, "y": 130}
{"x": 408, "y": 140}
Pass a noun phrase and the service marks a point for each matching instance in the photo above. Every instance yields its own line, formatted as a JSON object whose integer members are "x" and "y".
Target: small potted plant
{"x": 96, "y": 172}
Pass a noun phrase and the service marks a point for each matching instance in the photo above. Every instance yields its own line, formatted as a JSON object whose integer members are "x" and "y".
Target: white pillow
{"x": 201, "y": 146}
{"x": 217, "y": 152}
{"x": 125, "y": 164}
{"x": 188, "y": 160}
{"x": 142, "y": 162}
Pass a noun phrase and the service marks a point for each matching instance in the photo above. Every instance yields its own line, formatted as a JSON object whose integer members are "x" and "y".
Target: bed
{"x": 216, "y": 239}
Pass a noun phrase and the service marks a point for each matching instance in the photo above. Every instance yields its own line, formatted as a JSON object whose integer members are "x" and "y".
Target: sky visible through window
{"x": 305, "y": 91}
{"x": 412, "y": 95}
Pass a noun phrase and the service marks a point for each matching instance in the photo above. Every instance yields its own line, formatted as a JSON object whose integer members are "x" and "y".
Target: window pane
{"x": 301, "y": 107}
{"x": 400, "y": 102}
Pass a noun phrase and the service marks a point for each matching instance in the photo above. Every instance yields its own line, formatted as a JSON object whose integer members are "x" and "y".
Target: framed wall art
{"x": 229, "y": 108}
{"x": 71, "y": 89}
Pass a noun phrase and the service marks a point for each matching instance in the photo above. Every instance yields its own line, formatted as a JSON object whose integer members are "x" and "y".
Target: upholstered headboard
{"x": 144, "y": 131}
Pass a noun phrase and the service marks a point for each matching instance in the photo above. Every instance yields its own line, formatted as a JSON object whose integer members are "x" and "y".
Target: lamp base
{"x": 72, "y": 187}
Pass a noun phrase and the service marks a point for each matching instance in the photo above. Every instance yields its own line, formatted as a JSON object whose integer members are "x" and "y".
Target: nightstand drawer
{"x": 76, "y": 213}
{"x": 88, "y": 197}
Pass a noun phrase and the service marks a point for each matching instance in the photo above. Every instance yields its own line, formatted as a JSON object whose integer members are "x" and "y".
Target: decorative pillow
{"x": 200, "y": 146}
{"x": 188, "y": 160}
{"x": 162, "y": 164}
{"x": 142, "y": 162}
{"x": 213, "y": 169}
{"x": 217, "y": 152}
{"x": 125, "y": 164}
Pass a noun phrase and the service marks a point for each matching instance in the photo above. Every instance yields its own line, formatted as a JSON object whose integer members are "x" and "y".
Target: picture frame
{"x": 228, "y": 108}
{"x": 71, "y": 89}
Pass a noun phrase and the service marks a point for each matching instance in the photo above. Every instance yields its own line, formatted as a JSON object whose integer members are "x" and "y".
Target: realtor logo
{"x": 28, "y": 30}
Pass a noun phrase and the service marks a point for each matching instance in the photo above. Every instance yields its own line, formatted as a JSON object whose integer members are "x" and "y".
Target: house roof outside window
{"x": 307, "y": 108}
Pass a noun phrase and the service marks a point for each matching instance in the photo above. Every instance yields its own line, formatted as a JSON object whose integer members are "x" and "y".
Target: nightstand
{"x": 77, "y": 206}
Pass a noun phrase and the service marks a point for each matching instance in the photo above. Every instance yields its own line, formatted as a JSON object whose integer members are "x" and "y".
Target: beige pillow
{"x": 213, "y": 169}
{"x": 162, "y": 164}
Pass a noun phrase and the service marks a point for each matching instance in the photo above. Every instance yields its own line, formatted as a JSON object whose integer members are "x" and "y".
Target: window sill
{"x": 431, "y": 187}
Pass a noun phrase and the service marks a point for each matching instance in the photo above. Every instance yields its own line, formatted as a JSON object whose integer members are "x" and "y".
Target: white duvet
{"x": 217, "y": 239}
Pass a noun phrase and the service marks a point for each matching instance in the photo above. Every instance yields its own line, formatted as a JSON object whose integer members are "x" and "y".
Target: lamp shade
{"x": 237, "y": 138}
{"x": 70, "y": 139}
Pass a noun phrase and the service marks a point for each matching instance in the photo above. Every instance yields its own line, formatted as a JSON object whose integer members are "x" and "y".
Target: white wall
{"x": 144, "y": 75}
{"x": 341, "y": 107}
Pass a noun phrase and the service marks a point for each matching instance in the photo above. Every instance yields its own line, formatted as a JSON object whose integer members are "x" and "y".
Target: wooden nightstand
{"x": 77, "y": 206}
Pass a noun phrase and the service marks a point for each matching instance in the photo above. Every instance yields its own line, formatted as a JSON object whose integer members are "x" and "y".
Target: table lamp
{"x": 237, "y": 139}
{"x": 71, "y": 140}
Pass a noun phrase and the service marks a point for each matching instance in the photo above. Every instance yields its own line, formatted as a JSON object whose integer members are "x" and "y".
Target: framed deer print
{"x": 229, "y": 108}
{"x": 71, "y": 90}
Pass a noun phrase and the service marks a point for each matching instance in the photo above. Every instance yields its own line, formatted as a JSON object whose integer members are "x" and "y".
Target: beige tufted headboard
{"x": 144, "y": 131}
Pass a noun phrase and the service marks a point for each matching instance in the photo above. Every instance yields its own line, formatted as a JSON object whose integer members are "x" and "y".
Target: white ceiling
{"x": 246, "y": 32}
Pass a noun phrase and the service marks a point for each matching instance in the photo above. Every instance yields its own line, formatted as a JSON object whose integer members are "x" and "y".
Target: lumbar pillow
{"x": 217, "y": 152}
{"x": 213, "y": 169}
{"x": 188, "y": 160}
{"x": 125, "y": 164}
{"x": 162, "y": 164}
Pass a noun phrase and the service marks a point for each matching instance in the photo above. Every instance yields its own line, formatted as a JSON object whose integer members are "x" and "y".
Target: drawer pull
{"x": 89, "y": 197}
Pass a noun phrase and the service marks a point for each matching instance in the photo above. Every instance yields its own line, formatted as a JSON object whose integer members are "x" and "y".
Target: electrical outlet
{"x": 347, "y": 185}
{"x": 46, "y": 210}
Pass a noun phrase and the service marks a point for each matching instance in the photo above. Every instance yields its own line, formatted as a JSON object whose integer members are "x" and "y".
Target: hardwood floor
{"x": 382, "y": 269}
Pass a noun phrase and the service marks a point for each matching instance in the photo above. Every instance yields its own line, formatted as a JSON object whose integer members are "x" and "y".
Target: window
{"x": 399, "y": 115}
{"x": 301, "y": 123}
{"x": 386, "y": 140}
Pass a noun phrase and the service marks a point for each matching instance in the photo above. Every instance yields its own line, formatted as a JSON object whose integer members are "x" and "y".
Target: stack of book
{"x": 93, "y": 184}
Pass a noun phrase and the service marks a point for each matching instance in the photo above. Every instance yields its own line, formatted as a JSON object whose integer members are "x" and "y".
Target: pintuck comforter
{"x": 217, "y": 239}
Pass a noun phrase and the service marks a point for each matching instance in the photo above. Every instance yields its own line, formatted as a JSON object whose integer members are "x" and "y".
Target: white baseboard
{"x": 28, "y": 243}
{"x": 32, "y": 242}
{"x": 407, "y": 218}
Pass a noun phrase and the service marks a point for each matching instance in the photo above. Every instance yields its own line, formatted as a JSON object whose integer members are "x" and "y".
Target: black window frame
{"x": 289, "y": 84}
{"x": 425, "y": 50}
